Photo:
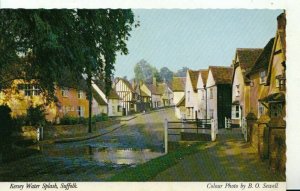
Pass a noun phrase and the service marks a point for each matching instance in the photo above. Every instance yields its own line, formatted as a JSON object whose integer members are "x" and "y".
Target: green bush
{"x": 36, "y": 115}
{"x": 68, "y": 120}
{"x": 5, "y": 121}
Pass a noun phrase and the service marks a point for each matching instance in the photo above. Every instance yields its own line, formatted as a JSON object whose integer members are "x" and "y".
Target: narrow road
{"x": 140, "y": 140}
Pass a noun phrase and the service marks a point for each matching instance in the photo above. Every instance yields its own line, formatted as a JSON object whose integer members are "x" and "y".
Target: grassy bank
{"x": 148, "y": 170}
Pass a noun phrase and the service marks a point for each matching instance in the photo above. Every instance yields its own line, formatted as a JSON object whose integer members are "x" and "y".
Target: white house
{"x": 218, "y": 87}
{"x": 244, "y": 60}
{"x": 126, "y": 93}
{"x": 178, "y": 85}
{"x": 202, "y": 94}
{"x": 191, "y": 97}
{"x": 114, "y": 104}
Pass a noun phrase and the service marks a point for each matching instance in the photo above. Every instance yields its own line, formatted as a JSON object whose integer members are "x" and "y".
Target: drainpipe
{"x": 205, "y": 102}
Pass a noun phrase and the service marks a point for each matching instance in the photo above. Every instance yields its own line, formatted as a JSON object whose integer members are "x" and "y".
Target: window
{"x": 261, "y": 109}
{"x": 235, "y": 112}
{"x": 188, "y": 96}
{"x": 237, "y": 90}
{"x": 113, "y": 109}
{"x": 64, "y": 92}
{"x": 202, "y": 92}
{"x": 30, "y": 89}
{"x": 263, "y": 77}
{"x": 211, "y": 93}
{"x": 80, "y": 94}
{"x": 80, "y": 111}
{"x": 211, "y": 113}
{"x": 276, "y": 109}
{"x": 119, "y": 108}
{"x": 280, "y": 82}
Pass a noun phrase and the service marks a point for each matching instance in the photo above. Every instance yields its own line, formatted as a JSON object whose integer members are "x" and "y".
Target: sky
{"x": 195, "y": 38}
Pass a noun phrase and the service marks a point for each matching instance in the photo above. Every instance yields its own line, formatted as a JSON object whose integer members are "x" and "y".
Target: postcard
{"x": 144, "y": 99}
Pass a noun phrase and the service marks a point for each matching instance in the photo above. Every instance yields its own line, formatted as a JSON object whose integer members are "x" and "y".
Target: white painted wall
{"x": 191, "y": 98}
{"x": 211, "y": 102}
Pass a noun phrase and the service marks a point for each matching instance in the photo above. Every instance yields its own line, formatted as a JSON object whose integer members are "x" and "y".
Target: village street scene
{"x": 142, "y": 95}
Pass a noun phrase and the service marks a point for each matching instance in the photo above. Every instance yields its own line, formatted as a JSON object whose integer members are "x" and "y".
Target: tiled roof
{"x": 204, "y": 75}
{"x": 113, "y": 94}
{"x": 153, "y": 89}
{"x": 98, "y": 98}
{"x": 263, "y": 60}
{"x": 221, "y": 74}
{"x": 247, "y": 57}
{"x": 178, "y": 84}
{"x": 194, "y": 74}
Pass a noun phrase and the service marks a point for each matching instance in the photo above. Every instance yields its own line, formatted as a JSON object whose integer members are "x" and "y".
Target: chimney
{"x": 281, "y": 21}
{"x": 154, "y": 81}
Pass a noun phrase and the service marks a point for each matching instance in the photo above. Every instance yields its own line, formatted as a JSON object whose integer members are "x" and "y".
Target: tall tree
{"x": 45, "y": 43}
{"x": 181, "y": 72}
{"x": 145, "y": 72}
{"x": 166, "y": 74}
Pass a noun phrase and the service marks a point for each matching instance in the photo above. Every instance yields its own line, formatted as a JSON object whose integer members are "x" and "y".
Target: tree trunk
{"x": 90, "y": 101}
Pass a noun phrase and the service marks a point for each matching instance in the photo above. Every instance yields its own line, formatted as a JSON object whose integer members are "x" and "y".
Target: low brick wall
{"x": 269, "y": 140}
{"x": 61, "y": 131}
{"x": 277, "y": 150}
{"x": 64, "y": 131}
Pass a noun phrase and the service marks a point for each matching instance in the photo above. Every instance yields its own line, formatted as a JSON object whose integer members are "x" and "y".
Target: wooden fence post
{"x": 166, "y": 136}
{"x": 213, "y": 130}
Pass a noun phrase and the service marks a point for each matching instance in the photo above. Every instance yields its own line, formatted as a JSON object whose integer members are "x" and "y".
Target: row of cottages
{"x": 244, "y": 60}
{"x": 207, "y": 94}
{"x": 259, "y": 79}
{"x": 71, "y": 100}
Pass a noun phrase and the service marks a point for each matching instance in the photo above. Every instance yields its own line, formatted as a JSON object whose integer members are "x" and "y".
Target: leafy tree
{"x": 166, "y": 74}
{"x": 145, "y": 72}
{"x": 181, "y": 72}
{"x": 46, "y": 43}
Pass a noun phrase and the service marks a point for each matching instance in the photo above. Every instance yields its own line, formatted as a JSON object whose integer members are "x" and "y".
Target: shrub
{"x": 5, "y": 121}
{"x": 36, "y": 115}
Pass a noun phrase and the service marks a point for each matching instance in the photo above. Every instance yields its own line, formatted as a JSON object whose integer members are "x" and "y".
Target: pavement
{"x": 229, "y": 158}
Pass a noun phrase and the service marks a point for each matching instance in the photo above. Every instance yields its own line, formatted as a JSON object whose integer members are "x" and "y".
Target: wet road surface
{"x": 140, "y": 140}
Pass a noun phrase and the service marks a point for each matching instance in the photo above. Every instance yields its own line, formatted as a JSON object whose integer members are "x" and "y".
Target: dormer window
{"x": 262, "y": 77}
{"x": 280, "y": 82}
{"x": 237, "y": 90}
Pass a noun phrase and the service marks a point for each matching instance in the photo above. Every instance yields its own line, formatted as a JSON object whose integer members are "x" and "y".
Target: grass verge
{"x": 147, "y": 171}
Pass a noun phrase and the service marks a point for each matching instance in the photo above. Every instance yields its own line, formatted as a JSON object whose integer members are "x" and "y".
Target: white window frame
{"x": 80, "y": 94}
{"x": 64, "y": 92}
{"x": 211, "y": 93}
{"x": 237, "y": 90}
{"x": 236, "y": 112}
{"x": 262, "y": 77}
{"x": 80, "y": 111}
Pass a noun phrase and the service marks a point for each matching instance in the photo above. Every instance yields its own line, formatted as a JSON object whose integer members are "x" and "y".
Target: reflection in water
{"x": 103, "y": 155}
{"x": 124, "y": 156}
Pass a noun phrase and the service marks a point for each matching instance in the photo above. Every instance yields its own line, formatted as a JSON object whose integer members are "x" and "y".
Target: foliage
{"x": 42, "y": 44}
{"x": 36, "y": 115}
{"x": 69, "y": 120}
{"x": 145, "y": 72}
{"x": 147, "y": 171}
{"x": 5, "y": 121}
{"x": 181, "y": 72}
{"x": 166, "y": 74}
